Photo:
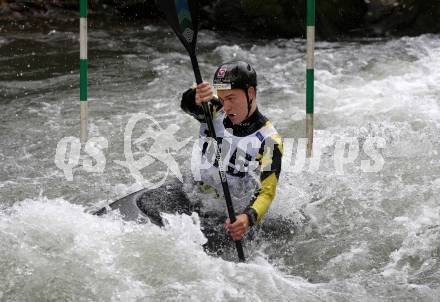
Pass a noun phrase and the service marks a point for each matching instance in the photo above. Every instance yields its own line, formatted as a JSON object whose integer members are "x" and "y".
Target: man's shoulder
{"x": 272, "y": 140}
{"x": 270, "y": 132}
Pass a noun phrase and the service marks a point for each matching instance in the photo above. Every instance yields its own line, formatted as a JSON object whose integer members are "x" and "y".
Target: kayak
{"x": 147, "y": 205}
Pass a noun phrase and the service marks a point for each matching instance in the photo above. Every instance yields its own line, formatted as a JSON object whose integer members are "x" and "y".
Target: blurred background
{"x": 275, "y": 18}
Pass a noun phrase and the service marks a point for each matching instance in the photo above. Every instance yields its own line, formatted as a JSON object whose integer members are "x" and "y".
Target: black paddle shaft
{"x": 182, "y": 16}
{"x": 212, "y": 134}
{"x": 221, "y": 171}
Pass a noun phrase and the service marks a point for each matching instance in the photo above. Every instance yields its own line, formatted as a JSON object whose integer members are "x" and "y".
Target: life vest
{"x": 238, "y": 158}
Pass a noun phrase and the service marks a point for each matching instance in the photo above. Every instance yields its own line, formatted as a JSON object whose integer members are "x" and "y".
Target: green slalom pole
{"x": 310, "y": 71}
{"x": 83, "y": 69}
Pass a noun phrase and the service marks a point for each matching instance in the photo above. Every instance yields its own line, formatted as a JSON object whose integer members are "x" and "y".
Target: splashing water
{"x": 360, "y": 236}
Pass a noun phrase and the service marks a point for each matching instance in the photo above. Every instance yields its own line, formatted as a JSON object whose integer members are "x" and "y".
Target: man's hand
{"x": 203, "y": 93}
{"x": 239, "y": 227}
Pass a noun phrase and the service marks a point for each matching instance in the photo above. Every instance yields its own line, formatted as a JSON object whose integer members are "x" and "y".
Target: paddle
{"x": 182, "y": 17}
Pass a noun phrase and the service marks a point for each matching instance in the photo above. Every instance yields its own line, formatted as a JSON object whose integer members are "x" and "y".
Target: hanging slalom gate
{"x": 83, "y": 69}
{"x": 310, "y": 74}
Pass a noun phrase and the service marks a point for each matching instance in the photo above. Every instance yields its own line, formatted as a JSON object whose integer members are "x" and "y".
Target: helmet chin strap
{"x": 249, "y": 103}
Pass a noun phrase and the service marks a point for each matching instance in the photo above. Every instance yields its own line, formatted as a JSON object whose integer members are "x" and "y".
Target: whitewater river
{"x": 358, "y": 235}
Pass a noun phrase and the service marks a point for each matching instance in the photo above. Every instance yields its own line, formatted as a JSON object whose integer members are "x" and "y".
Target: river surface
{"x": 356, "y": 235}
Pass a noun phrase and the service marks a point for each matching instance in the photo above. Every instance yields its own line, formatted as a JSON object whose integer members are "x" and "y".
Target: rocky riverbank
{"x": 274, "y": 18}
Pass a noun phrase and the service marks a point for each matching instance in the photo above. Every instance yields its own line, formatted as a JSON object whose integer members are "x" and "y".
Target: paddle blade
{"x": 182, "y": 17}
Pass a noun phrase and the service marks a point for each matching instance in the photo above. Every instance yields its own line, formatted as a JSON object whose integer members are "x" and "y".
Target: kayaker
{"x": 254, "y": 148}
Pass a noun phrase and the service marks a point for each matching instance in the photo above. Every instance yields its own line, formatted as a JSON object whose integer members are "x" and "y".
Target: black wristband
{"x": 252, "y": 215}
{"x": 188, "y": 102}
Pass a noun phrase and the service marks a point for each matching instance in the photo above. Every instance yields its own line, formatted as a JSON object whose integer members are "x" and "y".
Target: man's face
{"x": 234, "y": 104}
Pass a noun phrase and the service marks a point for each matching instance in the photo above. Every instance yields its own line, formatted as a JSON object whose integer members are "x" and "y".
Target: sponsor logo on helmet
{"x": 221, "y": 72}
{"x": 223, "y": 86}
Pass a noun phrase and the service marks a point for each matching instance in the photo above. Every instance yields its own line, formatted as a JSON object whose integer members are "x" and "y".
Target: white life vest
{"x": 238, "y": 158}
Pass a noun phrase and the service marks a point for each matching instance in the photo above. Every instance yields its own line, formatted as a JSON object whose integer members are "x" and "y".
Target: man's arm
{"x": 269, "y": 158}
{"x": 188, "y": 104}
